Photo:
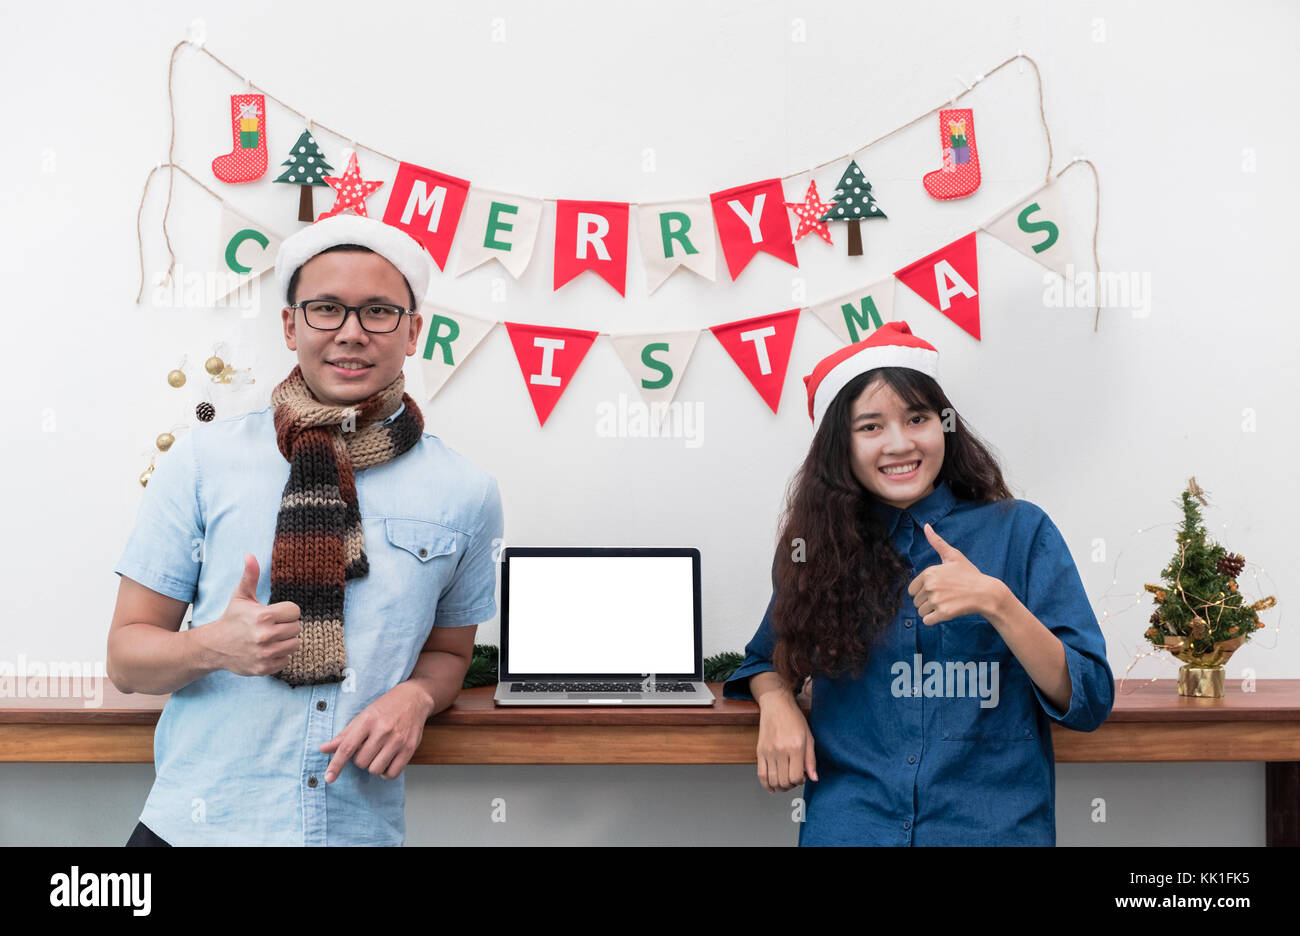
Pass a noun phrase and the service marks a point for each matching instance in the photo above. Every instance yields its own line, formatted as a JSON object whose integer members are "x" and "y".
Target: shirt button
{"x": 911, "y": 758}
{"x": 311, "y": 781}
{"x": 423, "y": 552}
{"x": 320, "y": 706}
{"x": 907, "y": 823}
{"x": 907, "y": 623}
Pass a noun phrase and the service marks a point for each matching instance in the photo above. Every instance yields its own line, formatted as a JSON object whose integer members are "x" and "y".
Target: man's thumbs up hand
{"x": 252, "y": 639}
{"x": 952, "y": 588}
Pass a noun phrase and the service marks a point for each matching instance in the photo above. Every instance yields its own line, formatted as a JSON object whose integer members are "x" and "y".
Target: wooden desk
{"x": 1149, "y": 722}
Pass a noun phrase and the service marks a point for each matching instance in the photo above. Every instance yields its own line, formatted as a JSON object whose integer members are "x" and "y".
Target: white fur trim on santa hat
{"x": 393, "y": 244}
{"x": 839, "y": 376}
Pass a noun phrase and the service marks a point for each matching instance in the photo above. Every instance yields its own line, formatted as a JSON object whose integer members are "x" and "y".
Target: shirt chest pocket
{"x": 987, "y": 696}
{"x": 423, "y": 558}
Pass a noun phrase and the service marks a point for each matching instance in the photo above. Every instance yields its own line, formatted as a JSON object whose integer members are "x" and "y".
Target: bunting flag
{"x": 676, "y": 235}
{"x": 591, "y": 235}
{"x": 449, "y": 338}
{"x": 856, "y": 315}
{"x": 656, "y": 362}
{"x": 248, "y": 249}
{"x": 751, "y": 218}
{"x": 948, "y": 279}
{"x": 548, "y": 358}
{"x": 427, "y": 205}
{"x": 1035, "y": 226}
{"x": 499, "y": 227}
{"x": 761, "y": 349}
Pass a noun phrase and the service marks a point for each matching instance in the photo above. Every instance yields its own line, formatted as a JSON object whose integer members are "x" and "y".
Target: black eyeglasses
{"x": 375, "y": 317}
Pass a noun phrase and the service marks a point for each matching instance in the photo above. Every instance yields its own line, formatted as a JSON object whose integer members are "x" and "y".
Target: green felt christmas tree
{"x": 853, "y": 203}
{"x": 306, "y": 167}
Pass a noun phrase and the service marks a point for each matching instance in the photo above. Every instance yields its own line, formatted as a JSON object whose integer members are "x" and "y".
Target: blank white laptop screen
{"x": 624, "y": 615}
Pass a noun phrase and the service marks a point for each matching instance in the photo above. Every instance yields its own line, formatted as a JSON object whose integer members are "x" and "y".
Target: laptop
{"x": 600, "y": 626}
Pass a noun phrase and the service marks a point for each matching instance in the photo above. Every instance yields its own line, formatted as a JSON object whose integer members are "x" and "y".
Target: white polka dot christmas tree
{"x": 853, "y": 203}
{"x": 306, "y": 167}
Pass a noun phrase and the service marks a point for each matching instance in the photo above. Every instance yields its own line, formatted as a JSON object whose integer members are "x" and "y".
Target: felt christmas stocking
{"x": 247, "y": 161}
{"x": 960, "y": 174}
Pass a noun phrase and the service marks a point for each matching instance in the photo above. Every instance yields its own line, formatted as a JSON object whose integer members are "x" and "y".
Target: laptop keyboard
{"x": 601, "y": 687}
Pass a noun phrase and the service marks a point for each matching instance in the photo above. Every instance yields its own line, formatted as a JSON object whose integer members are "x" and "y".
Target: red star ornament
{"x": 350, "y": 190}
{"x": 809, "y": 211}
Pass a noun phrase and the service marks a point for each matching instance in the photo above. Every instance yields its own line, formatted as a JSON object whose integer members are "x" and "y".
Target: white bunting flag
{"x": 248, "y": 250}
{"x": 449, "y": 338}
{"x": 498, "y": 226}
{"x": 656, "y": 363}
{"x": 676, "y": 235}
{"x": 1035, "y": 226}
{"x": 856, "y": 315}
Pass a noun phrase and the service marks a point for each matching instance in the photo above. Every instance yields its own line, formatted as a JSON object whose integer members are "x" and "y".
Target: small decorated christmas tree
{"x": 306, "y": 167}
{"x": 1201, "y": 617}
{"x": 853, "y": 203}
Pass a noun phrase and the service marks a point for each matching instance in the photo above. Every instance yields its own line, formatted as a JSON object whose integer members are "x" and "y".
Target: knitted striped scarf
{"x": 319, "y": 545}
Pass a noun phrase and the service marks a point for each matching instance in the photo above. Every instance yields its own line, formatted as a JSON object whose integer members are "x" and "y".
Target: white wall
{"x": 1100, "y": 429}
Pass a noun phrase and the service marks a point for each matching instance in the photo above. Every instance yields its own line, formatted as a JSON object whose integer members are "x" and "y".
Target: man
{"x": 339, "y": 560}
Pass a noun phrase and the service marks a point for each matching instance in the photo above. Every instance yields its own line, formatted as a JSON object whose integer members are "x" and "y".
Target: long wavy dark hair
{"x": 832, "y": 606}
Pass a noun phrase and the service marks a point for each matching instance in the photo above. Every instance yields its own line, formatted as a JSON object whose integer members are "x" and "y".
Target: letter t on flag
{"x": 548, "y": 358}
{"x": 751, "y": 218}
{"x": 761, "y": 349}
{"x": 591, "y": 235}
{"x": 427, "y": 205}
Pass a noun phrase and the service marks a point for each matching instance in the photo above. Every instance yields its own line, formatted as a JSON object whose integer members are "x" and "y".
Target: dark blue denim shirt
{"x": 910, "y": 753}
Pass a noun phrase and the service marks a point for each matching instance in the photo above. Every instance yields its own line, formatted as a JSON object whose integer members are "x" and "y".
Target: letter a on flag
{"x": 548, "y": 357}
{"x": 761, "y": 349}
{"x": 948, "y": 279}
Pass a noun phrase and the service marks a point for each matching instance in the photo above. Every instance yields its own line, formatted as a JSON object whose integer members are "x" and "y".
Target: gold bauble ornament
{"x": 145, "y": 476}
{"x": 214, "y": 365}
{"x": 176, "y": 378}
{"x": 164, "y": 441}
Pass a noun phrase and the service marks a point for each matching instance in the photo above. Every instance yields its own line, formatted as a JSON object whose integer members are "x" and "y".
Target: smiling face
{"x": 351, "y": 277}
{"x": 883, "y": 433}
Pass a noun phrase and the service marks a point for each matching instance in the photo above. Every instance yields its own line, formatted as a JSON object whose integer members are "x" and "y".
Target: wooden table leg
{"x": 1282, "y": 803}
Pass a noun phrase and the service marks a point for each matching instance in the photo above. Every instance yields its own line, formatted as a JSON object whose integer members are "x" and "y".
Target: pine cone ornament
{"x": 1155, "y": 618}
{"x": 205, "y": 411}
{"x": 1199, "y": 629}
{"x": 1231, "y": 565}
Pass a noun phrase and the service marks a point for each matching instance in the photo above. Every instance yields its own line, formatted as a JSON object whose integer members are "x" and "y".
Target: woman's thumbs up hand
{"x": 953, "y": 587}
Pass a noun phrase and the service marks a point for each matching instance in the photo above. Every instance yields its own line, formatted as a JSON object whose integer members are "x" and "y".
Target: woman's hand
{"x": 785, "y": 743}
{"x": 952, "y": 588}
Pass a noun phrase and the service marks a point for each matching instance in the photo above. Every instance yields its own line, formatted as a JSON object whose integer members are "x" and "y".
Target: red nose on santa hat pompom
{"x": 890, "y": 345}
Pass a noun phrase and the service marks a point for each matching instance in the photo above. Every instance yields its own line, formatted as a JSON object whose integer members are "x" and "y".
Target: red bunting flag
{"x": 548, "y": 357}
{"x": 949, "y": 280}
{"x": 591, "y": 235}
{"x": 761, "y": 349}
{"x": 427, "y": 205}
{"x": 751, "y": 218}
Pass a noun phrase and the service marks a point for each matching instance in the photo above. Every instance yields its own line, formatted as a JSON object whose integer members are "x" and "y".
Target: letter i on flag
{"x": 761, "y": 349}
{"x": 751, "y": 218}
{"x": 548, "y": 358}
{"x": 949, "y": 280}
{"x": 427, "y": 204}
{"x": 591, "y": 235}
{"x": 448, "y": 340}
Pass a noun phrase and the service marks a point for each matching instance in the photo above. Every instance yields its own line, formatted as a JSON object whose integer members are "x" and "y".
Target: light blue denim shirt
{"x": 237, "y": 758}
{"x": 940, "y": 766}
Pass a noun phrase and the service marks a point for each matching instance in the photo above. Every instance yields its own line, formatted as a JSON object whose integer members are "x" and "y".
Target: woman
{"x": 943, "y": 623}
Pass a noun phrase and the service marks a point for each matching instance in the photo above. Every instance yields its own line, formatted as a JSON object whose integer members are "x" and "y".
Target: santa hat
{"x": 396, "y": 246}
{"x": 890, "y": 345}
